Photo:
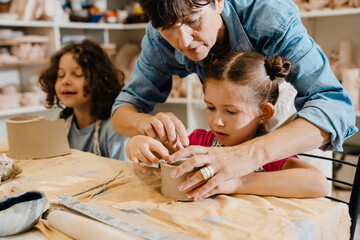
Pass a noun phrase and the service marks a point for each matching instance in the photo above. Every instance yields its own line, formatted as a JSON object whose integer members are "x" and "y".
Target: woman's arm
{"x": 296, "y": 179}
{"x": 165, "y": 126}
{"x": 234, "y": 162}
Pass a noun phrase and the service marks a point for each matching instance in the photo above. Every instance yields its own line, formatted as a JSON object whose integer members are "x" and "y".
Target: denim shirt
{"x": 270, "y": 27}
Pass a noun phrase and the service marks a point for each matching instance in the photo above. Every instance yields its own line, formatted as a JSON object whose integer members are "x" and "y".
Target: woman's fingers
{"x": 154, "y": 128}
{"x": 174, "y": 130}
{"x": 181, "y": 132}
{"x": 205, "y": 189}
{"x": 188, "y": 152}
{"x": 194, "y": 180}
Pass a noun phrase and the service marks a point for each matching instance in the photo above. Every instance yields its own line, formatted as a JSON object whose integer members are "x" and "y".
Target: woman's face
{"x": 70, "y": 82}
{"x": 231, "y": 117}
{"x": 198, "y": 34}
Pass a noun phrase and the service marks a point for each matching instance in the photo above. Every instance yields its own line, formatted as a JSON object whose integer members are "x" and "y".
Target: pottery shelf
{"x": 22, "y": 110}
{"x": 24, "y": 63}
{"x": 176, "y": 100}
{"x": 21, "y": 23}
{"x": 59, "y": 33}
{"x": 109, "y": 26}
{"x": 330, "y": 13}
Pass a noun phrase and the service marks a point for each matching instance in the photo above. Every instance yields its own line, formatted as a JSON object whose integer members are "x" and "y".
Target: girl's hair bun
{"x": 277, "y": 67}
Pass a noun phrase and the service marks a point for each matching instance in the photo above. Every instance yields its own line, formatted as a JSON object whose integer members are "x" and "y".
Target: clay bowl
{"x": 21, "y": 212}
{"x": 169, "y": 185}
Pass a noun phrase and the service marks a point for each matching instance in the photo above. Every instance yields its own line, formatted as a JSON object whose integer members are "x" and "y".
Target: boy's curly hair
{"x": 103, "y": 80}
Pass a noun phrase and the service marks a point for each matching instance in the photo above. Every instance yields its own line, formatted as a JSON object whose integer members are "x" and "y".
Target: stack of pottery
{"x": 9, "y": 97}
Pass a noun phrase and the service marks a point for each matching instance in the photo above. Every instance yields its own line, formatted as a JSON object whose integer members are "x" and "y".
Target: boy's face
{"x": 199, "y": 32}
{"x": 69, "y": 86}
{"x": 233, "y": 119}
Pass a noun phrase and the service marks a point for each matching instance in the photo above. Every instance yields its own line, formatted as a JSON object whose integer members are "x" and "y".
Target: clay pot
{"x": 169, "y": 185}
{"x": 36, "y": 137}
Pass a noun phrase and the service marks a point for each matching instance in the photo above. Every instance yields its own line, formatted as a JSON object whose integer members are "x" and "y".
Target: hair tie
{"x": 272, "y": 77}
{"x": 268, "y": 71}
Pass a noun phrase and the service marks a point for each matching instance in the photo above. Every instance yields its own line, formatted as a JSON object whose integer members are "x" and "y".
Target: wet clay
{"x": 169, "y": 185}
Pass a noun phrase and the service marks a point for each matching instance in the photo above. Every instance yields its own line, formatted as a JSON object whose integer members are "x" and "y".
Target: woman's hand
{"x": 144, "y": 149}
{"x": 228, "y": 163}
{"x": 227, "y": 187}
{"x": 167, "y": 127}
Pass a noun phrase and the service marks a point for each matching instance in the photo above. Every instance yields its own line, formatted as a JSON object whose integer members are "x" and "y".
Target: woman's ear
{"x": 267, "y": 111}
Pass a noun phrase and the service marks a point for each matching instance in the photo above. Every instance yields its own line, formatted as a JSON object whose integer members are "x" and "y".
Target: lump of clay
{"x": 8, "y": 168}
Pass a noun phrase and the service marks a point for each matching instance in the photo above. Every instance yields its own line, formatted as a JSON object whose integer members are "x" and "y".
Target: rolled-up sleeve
{"x": 150, "y": 81}
{"x": 320, "y": 98}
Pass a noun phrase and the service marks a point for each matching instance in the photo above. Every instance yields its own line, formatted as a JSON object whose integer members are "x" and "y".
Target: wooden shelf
{"x": 101, "y": 26}
{"x": 330, "y": 12}
{"x": 24, "y": 63}
{"x": 176, "y": 100}
{"x": 72, "y": 25}
{"x": 22, "y": 110}
{"x": 21, "y": 23}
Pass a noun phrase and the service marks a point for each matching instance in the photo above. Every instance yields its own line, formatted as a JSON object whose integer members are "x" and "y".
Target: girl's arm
{"x": 296, "y": 179}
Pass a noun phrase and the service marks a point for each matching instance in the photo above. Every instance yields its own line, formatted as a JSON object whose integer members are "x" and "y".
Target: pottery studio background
{"x": 32, "y": 30}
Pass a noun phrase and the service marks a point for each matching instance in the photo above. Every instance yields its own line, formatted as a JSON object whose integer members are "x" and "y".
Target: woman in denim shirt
{"x": 185, "y": 34}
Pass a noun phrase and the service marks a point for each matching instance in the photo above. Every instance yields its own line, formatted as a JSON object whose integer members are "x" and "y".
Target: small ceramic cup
{"x": 169, "y": 185}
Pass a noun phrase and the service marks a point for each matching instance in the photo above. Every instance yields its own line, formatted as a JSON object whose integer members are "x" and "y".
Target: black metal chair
{"x": 354, "y": 202}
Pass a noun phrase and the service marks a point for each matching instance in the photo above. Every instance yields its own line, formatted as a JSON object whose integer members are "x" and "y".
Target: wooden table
{"x": 221, "y": 217}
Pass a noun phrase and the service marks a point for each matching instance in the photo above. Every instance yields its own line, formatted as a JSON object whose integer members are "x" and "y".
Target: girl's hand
{"x": 144, "y": 149}
{"x": 167, "y": 127}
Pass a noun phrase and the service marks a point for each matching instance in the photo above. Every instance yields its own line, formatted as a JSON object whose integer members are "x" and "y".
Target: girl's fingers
{"x": 160, "y": 149}
{"x": 149, "y": 156}
{"x": 142, "y": 158}
{"x": 137, "y": 166}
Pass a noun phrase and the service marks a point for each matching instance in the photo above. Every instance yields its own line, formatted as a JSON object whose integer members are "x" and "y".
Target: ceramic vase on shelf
{"x": 351, "y": 82}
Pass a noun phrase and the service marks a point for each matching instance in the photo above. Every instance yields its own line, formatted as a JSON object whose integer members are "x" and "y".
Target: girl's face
{"x": 233, "y": 119}
{"x": 70, "y": 82}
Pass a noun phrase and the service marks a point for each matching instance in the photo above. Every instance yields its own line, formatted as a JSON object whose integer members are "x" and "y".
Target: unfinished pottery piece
{"x": 21, "y": 212}
{"x": 8, "y": 168}
{"x": 36, "y": 137}
{"x": 169, "y": 185}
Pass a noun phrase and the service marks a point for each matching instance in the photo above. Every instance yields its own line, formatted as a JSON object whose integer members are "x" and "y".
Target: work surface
{"x": 221, "y": 217}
